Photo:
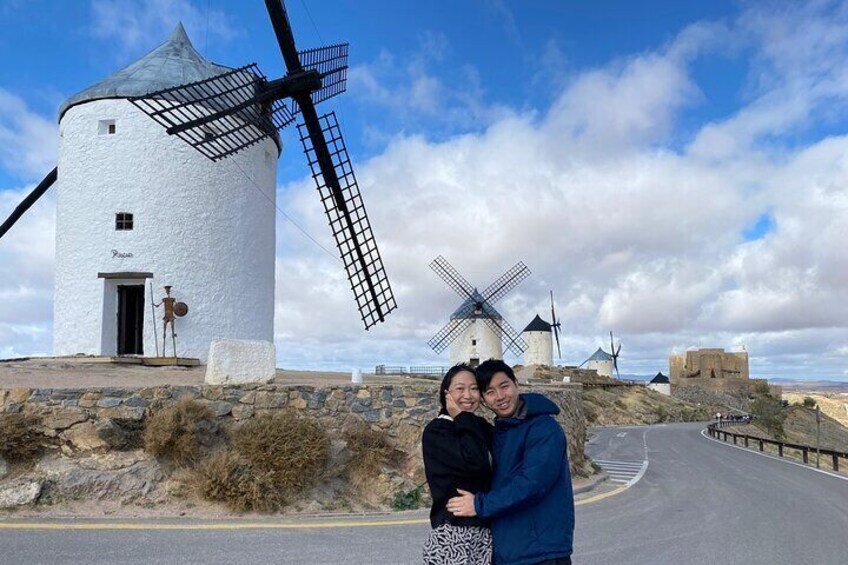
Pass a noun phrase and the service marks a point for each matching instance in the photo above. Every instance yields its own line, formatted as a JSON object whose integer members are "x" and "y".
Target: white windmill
{"x": 539, "y": 336}
{"x": 187, "y": 199}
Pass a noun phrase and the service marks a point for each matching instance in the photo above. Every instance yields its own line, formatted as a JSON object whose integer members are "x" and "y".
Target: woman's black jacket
{"x": 456, "y": 455}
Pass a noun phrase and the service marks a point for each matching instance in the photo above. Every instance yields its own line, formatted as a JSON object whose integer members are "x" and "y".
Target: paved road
{"x": 690, "y": 501}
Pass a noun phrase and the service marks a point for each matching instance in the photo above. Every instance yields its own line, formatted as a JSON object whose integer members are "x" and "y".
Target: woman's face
{"x": 463, "y": 389}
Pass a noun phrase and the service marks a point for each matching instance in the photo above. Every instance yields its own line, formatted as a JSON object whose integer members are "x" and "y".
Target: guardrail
{"x": 717, "y": 433}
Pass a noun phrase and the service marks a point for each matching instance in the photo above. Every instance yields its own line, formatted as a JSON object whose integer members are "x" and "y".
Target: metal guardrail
{"x": 419, "y": 370}
{"x": 717, "y": 433}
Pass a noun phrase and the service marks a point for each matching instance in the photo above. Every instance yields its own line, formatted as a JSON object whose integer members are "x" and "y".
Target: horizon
{"x": 675, "y": 173}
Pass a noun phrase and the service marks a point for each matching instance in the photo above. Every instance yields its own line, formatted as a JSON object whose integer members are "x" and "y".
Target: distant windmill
{"x": 602, "y": 362}
{"x": 476, "y": 330}
{"x": 537, "y": 336}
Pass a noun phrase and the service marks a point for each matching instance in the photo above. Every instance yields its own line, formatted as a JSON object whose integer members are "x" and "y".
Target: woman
{"x": 456, "y": 456}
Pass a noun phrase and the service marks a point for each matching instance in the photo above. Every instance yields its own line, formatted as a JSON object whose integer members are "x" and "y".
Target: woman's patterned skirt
{"x": 458, "y": 545}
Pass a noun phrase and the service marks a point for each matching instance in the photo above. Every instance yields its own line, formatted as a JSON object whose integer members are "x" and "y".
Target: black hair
{"x": 446, "y": 382}
{"x": 487, "y": 369}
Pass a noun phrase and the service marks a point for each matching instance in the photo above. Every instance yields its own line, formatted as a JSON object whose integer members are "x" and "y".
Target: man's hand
{"x": 451, "y": 405}
{"x": 462, "y": 505}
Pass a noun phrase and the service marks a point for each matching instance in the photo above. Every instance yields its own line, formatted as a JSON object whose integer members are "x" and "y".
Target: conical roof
{"x": 600, "y": 355}
{"x": 660, "y": 379}
{"x": 173, "y": 63}
{"x": 538, "y": 325}
{"x": 467, "y": 311}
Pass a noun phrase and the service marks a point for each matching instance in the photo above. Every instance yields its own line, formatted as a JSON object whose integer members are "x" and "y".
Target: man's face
{"x": 502, "y": 396}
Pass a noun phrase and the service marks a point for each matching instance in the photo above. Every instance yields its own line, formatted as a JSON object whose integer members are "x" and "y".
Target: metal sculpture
{"x": 231, "y": 111}
{"x": 478, "y": 306}
{"x": 168, "y": 317}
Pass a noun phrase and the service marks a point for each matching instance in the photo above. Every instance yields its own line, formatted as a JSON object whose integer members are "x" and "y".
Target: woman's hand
{"x": 451, "y": 405}
{"x": 462, "y": 505}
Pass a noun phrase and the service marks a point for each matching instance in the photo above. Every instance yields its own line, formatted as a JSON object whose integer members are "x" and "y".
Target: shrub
{"x": 409, "y": 500}
{"x": 809, "y": 402}
{"x": 369, "y": 450}
{"x": 292, "y": 449}
{"x": 769, "y": 414}
{"x": 661, "y": 413}
{"x": 226, "y": 477}
{"x": 20, "y": 440}
{"x": 180, "y": 432}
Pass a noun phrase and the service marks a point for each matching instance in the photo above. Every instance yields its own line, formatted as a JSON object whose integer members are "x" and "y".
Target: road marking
{"x": 783, "y": 459}
{"x": 598, "y": 497}
{"x": 622, "y": 434}
{"x": 627, "y": 473}
{"x": 246, "y": 526}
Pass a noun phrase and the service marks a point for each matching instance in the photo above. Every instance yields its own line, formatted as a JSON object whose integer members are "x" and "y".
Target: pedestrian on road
{"x": 457, "y": 456}
{"x": 531, "y": 502}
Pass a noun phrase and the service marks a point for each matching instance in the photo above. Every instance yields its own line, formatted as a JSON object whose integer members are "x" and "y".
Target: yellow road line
{"x": 598, "y": 497}
{"x": 248, "y": 525}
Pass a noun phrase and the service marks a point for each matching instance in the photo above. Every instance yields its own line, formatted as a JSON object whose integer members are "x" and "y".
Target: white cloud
{"x": 28, "y": 141}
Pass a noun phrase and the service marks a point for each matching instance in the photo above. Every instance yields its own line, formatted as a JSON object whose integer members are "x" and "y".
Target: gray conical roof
{"x": 466, "y": 311}
{"x": 538, "y": 325}
{"x": 173, "y": 63}
{"x": 660, "y": 379}
{"x": 600, "y": 355}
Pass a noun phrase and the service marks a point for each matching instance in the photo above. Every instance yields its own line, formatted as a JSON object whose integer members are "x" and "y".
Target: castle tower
{"x": 537, "y": 335}
{"x": 137, "y": 207}
{"x": 478, "y": 342}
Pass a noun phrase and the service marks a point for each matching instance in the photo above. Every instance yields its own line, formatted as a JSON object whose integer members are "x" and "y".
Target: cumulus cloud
{"x": 28, "y": 141}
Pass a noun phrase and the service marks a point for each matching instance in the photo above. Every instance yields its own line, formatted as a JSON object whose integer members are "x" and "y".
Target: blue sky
{"x": 673, "y": 170}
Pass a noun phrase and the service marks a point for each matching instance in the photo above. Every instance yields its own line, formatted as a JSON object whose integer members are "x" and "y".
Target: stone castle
{"x": 713, "y": 369}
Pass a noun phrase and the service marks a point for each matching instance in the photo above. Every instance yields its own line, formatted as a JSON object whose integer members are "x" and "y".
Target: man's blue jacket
{"x": 531, "y": 503}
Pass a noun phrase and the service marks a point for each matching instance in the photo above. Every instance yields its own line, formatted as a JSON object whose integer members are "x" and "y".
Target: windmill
{"x": 615, "y": 353}
{"x": 478, "y": 322}
{"x": 537, "y": 336}
{"x": 225, "y": 114}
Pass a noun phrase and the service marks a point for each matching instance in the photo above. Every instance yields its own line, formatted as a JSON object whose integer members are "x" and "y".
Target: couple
{"x": 501, "y": 494}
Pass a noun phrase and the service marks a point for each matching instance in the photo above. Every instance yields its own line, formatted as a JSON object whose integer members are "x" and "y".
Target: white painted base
{"x": 235, "y": 361}
{"x": 664, "y": 388}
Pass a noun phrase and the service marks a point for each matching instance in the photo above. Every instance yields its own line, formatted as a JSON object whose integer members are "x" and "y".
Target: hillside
{"x": 833, "y": 405}
{"x": 799, "y": 427}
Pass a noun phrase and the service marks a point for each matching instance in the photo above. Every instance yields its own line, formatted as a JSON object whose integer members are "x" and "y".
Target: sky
{"x": 674, "y": 171}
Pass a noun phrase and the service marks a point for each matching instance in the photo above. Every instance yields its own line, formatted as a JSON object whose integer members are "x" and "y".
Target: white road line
{"x": 783, "y": 459}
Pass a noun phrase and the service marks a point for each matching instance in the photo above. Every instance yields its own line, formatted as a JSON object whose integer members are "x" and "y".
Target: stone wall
{"x": 106, "y": 421}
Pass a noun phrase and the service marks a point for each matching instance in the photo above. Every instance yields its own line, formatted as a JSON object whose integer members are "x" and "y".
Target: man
{"x": 531, "y": 503}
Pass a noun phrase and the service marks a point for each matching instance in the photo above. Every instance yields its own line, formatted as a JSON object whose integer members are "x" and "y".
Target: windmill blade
{"x": 615, "y": 365}
{"x": 555, "y": 325}
{"x": 219, "y": 116}
{"x": 612, "y": 345}
{"x": 333, "y": 173}
{"x": 31, "y": 199}
{"x": 448, "y": 333}
{"x": 514, "y": 341}
{"x": 452, "y": 277}
{"x": 505, "y": 283}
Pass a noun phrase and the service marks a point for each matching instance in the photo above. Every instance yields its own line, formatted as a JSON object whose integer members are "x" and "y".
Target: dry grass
{"x": 20, "y": 440}
{"x": 272, "y": 459}
{"x": 181, "y": 432}
{"x": 369, "y": 451}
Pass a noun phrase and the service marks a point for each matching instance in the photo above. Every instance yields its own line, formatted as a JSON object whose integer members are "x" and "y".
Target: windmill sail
{"x": 345, "y": 211}
{"x": 31, "y": 199}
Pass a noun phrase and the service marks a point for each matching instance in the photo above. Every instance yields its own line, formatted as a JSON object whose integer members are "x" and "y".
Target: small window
{"x": 106, "y": 127}
{"x": 473, "y": 342}
{"x": 123, "y": 221}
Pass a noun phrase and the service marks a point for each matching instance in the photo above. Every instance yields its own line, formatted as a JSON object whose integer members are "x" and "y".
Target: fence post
{"x": 835, "y": 462}
{"x": 780, "y": 449}
{"x": 761, "y": 445}
{"x": 746, "y": 441}
{"x": 805, "y": 451}
{"x": 734, "y": 438}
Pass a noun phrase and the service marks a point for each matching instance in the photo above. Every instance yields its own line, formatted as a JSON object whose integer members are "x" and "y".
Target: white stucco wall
{"x": 664, "y": 388}
{"x": 602, "y": 367}
{"x": 488, "y": 344}
{"x": 199, "y": 226}
{"x": 539, "y": 348}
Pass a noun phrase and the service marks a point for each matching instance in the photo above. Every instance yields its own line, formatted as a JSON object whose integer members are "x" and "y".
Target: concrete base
{"x": 234, "y": 361}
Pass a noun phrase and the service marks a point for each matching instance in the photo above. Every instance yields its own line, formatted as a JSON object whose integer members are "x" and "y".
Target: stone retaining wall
{"x": 95, "y": 449}
{"x": 83, "y": 420}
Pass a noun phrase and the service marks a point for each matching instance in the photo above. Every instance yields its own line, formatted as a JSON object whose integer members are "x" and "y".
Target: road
{"x": 674, "y": 497}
